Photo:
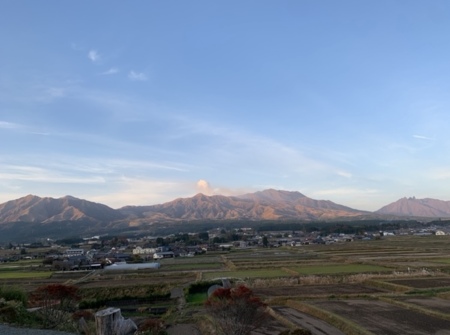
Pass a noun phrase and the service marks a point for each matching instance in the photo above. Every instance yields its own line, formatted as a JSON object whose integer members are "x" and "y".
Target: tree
{"x": 136, "y": 259}
{"x": 56, "y": 301}
{"x": 236, "y": 311}
{"x": 218, "y": 239}
{"x": 204, "y": 236}
{"x": 265, "y": 242}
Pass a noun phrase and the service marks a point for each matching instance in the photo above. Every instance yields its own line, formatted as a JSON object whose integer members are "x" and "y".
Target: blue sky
{"x": 142, "y": 102}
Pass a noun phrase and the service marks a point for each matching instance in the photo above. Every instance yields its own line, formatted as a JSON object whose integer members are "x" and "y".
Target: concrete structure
{"x": 143, "y": 251}
{"x": 165, "y": 254}
{"x": 74, "y": 252}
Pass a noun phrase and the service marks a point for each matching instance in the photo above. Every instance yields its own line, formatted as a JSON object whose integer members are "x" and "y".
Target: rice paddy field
{"x": 360, "y": 287}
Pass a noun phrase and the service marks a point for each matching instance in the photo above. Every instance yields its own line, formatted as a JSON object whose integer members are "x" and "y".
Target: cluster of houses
{"x": 138, "y": 250}
{"x": 80, "y": 259}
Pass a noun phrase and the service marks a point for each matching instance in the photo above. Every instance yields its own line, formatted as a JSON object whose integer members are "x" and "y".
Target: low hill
{"x": 430, "y": 208}
{"x": 44, "y": 210}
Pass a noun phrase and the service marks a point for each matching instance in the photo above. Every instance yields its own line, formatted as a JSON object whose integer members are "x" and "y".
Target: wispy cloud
{"x": 146, "y": 165}
{"x": 440, "y": 173}
{"x": 76, "y": 46}
{"x": 112, "y": 70}
{"x": 344, "y": 174}
{"x": 48, "y": 94}
{"x": 345, "y": 191}
{"x": 421, "y": 137}
{"x": 9, "y": 125}
{"x": 21, "y": 128}
{"x": 230, "y": 145}
{"x": 56, "y": 92}
{"x": 37, "y": 174}
{"x": 137, "y": 76}
{"x": 133, "y": 191}
{"x": 359, "y": 198}
{"x": 94, "y": 56}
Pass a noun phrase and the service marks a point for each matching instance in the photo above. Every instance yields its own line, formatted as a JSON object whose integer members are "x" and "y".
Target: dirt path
{"x": 316, "y": 326}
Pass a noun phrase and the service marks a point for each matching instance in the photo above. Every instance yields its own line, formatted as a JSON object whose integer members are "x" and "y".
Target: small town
{"x": 99, "y": 251}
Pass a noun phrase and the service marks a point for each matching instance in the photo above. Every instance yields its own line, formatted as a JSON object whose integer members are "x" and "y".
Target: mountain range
{"x": 73, "y": 216}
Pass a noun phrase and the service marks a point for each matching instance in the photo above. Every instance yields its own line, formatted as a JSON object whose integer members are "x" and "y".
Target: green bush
{"x": 14, "y": 312}
{"x": 202, "y": 287}
{"x": 10, "y": 293}
{"x": 91, "y": 304}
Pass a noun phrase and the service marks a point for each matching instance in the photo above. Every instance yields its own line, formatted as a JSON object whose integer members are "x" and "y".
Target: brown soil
{"x": 315, "y": 290}
{"x": 380, "y": 317}
{"x": 423, "y": 282}
{"x": 272, "y": 327}
{"x": 136, "y": 281}
{"x": 434, "y": 304}
{"x": 316, "y": 326}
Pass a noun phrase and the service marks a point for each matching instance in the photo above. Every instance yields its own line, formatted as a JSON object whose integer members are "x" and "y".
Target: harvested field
{"x": 24, "y": 274}
{"x": 316, "y": 326}
{"x": 380, "y": 317}
{"x": 102, "y": 279}
{"x": 340, "y": 268}
{"x": 316, "y": 290}
{"x": 187, "y": 266}
{"x": 434, "y": 304}
{"x": 417, "y": 264}
{"x": 421, "y": 283}
{"x": 272, "y": 327}
{"x": 29, "y": 284}
{"x": 123, "y": 281}
{"x": 243, "y": 274}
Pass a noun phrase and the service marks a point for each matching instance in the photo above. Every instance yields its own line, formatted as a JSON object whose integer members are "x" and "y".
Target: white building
{"x": 143, "y": 251}
{"x": 74, "y": 252}
{"x": 165, "y": 254}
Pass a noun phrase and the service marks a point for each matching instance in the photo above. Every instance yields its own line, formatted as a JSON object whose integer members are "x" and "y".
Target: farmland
{"x": 389, "y": 286}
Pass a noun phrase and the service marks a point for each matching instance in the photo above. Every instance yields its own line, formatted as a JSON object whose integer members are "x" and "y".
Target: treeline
{"x": 344, "y": 227}
{"x": 324, "y": 227}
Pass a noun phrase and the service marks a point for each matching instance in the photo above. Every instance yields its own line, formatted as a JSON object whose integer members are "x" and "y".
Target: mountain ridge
{"x": 268, "y": 204}
{"x": 32, "y": 208}
{"x": 32, "y": 216}
{"x": 426, "y": 207}
{"x": 263, "y": 205}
